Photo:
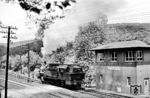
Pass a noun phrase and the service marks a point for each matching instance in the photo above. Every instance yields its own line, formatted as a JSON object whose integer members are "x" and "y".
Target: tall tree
{"x": 88, "y": 37}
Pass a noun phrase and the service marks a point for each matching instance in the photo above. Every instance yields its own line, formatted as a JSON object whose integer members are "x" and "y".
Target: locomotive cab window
{"x": 68, "y": 69}
{"x": 61, "y": 70}
{"x": 77, "y": 69}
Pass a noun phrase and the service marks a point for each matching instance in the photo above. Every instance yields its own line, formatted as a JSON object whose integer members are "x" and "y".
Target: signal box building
{"x": 121, "y": 65}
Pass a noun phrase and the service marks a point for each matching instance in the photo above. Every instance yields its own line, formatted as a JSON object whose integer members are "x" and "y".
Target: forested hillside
{"x": 129, "y": 31}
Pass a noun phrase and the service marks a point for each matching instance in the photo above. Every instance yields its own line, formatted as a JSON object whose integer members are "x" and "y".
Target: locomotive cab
{"x": 74, "y": 76}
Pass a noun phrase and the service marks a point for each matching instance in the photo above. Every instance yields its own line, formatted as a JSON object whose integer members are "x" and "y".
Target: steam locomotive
{"x": 63, "y": 75}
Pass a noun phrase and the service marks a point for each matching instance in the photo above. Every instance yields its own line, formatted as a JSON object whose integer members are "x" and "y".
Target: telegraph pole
{"x": 7, "y": 63}
{"x": 28, "y": 63}
{"x": 7, "y": 57}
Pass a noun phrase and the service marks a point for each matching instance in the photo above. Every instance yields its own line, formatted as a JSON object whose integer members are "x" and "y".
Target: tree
{"x": 60, "y": 49}
{"x": 35, "y": 60}
{"x": 2, "y": 50}
{"x": 36, "y": 5}
{"x": 88, "y": 37}
{"x": 69, "y": 45}
{"x": 16, "y": 62}
{"x": 44, "y": 13}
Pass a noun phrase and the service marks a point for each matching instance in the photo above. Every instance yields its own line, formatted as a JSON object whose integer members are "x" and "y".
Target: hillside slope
{"x": 129, "y": 31}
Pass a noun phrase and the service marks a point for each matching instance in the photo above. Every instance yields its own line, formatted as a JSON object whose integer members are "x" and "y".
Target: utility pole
{"x": 7, "y": 57}
{"x": 28, "y": 63}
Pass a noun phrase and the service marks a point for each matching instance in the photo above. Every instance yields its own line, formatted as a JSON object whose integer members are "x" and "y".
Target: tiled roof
{"x": 123, "y": 44}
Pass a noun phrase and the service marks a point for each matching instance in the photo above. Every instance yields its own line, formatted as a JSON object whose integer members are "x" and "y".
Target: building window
{"x": 130, "y": 56}
{"x": 100, "y": 57}
{"x": 139, "y": 55}
{"x": 128, "y": 81}
{"x": 114, "y": 56}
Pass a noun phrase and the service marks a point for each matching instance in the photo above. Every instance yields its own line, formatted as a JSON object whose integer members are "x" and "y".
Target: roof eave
{"x": 117, "y": 48}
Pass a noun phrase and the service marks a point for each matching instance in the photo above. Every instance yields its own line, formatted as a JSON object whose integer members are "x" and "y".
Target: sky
{"x": 64, "y": 30}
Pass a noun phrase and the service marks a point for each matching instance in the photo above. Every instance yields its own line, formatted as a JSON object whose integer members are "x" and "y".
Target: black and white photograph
{"x": 74, "y": 48}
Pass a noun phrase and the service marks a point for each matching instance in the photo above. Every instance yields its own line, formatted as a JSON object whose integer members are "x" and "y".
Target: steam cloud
{"x": 88, "y": 10}
{"x": 84, "y": 11}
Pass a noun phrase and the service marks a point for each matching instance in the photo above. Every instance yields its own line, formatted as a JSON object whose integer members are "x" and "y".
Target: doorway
{"x": 146, "y": 86}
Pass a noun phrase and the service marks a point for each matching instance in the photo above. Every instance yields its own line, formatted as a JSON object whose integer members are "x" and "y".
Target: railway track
{"x": 60, "y": 95}
{"x": 67, "y": 95}
{"x": 93, "y": 93}
{"x": 97, "y": 94}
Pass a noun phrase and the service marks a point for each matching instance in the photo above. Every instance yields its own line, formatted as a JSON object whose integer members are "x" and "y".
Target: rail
{"x": 104, "y": 94}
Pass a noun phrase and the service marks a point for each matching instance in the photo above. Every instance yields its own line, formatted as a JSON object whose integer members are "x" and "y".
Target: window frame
{"x": 130, "y": 55}
{"x": 114, "y": 56}
{"x": 140, "y": 57}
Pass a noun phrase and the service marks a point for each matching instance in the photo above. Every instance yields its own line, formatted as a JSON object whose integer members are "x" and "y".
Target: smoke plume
{"x": 83, "y": 12}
